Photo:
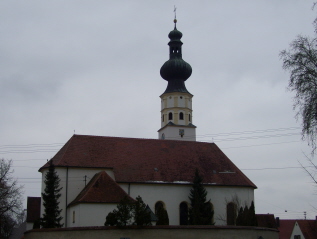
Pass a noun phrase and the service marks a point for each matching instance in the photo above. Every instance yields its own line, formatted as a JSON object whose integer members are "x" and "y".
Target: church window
{"x": 158, "y": 206}
{"x": 73, "y": 216}
{"x": 162, "y": 118}
{"x": 231, "y": 213}
{"x": 170, "y": 116}
{"x": 181, "y": 115}
{"x": 189, "y": 118}
{"x": 212, "y": 209}
{"x": 183, "y": 213}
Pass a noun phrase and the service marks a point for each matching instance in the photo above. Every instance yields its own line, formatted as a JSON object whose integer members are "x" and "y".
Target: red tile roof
{"x": 286, "y": 227}
{"x": 150, "y": 160}
{"x": 33, "y": 209}
{"x": 101, "y": 189}
{"x": 308, "y": 228}
{"x": 266, "y": 220}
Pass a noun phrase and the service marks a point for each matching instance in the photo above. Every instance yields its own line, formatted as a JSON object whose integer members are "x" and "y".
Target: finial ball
{"x": 175, "y": 20}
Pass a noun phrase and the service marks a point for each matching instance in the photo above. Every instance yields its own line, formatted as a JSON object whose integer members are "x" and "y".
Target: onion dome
{"x": 176, "y": 71}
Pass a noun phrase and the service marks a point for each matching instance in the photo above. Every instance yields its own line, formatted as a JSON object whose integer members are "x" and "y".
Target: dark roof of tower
{"x": 151, "y": 160}
{"x": 176, "y": 71}
{"x": 175, "y": 35}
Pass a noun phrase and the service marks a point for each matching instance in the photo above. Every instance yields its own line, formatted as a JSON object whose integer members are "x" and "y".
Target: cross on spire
{"x": 175, "y": 20}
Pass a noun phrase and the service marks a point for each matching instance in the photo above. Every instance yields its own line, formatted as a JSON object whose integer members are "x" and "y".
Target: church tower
{"x": 176, "y": 101}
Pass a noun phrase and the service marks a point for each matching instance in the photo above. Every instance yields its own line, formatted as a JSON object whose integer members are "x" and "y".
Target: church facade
{"x": 96, "y": 172}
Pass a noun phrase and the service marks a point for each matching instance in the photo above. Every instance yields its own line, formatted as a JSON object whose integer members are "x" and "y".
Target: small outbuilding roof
{"x": 101, "y": 189}
{"x": 266, "y": 220}
{"x": 33, "y": 212}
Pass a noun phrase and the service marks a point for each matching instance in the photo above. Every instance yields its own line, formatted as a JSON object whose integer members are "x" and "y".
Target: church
{"x": 96, "y": 172}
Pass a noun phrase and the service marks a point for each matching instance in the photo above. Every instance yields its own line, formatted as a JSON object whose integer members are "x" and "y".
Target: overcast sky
{"x": 92, "y": 67}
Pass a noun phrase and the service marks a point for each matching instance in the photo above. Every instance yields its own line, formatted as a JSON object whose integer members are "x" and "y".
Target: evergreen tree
{"x": 51, "y": 217}
{"x": 142, "y": 217}
{"x": 111, "y": 219}
{"x": 253, "y": 221}
{"x": 200, "y": 212}
{"x": 246, "y": 216}
{"x": 239, "y": 221}
{"x": 129, "y": 211}
{"x": 123, "y": 213}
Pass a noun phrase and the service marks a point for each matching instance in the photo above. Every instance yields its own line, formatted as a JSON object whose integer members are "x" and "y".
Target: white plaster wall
{"x": 173, "y": 195}
{"x": 181, "y": 102}
{"x": 172, "y": 132}
{"x": 76, "y": 184}
{"x": 297, "y": 231}
{"x": 89, "y": 214}
{"x": 29, "y": 226}
{"x": 170, "y": 101}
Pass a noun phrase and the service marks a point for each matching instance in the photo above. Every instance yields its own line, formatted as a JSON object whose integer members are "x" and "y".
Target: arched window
{"x": 170, "y": 116}
{"x": 183, "y": 213}
{"x": 231, "y": 213}
{"x": 161, "y": 213}
{"x": 162, "y": 118}
{"x": 181, "y": 115}
{"x": 73, "y": 216}
{"x": 158, "y": 206}
{"x": 212, "y": 214}
{"x": 189, "y": 118}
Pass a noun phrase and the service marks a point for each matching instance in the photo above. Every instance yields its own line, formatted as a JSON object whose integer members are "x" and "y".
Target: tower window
{"x": 189, "y": 118}
{"x": 170, "y": 116}
{"x": 162, "y": 118}
{"x": 181, "y": 115}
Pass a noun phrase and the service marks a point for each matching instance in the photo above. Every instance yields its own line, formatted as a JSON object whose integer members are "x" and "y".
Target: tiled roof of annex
{"x": 151, "y": 160}
{"x": 308, "y": 228}
{"x": 33, "y": 209}
{"x": 101, "y": 189}
{"x": 266, "y": 220}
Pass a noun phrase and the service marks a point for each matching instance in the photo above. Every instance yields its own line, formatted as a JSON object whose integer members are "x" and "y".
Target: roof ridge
{"x": 121, "y": 137}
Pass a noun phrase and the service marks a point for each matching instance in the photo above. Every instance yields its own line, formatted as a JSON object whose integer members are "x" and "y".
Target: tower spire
{"x": 175, "y": 19}
{"x": 176, "y": 71}
{"x": 176, "y": 107}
